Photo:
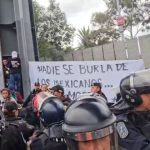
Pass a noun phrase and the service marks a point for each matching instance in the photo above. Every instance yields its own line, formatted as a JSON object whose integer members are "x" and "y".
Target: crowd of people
{"x": 49, "y": 120}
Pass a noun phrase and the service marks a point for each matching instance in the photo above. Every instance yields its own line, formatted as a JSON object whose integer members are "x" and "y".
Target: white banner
{"x": 77, "y": 76}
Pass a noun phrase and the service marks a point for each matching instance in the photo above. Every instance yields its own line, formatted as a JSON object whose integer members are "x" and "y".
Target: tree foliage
{"x": 102, "y": 32}
{"x": 136, "y": 13}
{"x": 85, "y": 37}
{"x": 103, "y": 28}
{"x": 54, "y": 35}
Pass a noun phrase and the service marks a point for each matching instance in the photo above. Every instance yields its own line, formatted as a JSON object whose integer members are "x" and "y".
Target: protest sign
{"x": 77, "y": 76}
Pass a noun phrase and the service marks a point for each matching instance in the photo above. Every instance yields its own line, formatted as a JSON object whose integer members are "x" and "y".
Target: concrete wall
{"x": 16, "y": 34}
{"x": 145, "y": 50}
{"x": 98, "y": 53}
{"x": 132, "y": 49}
{"x": 6, "y": 12}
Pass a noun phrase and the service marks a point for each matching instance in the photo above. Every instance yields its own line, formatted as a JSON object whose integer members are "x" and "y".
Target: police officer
{"x": 51, "y": 113}
{"x": 16, "y": 132}
{"x": 134, "y": 123}
{"x": 89, "y": 125}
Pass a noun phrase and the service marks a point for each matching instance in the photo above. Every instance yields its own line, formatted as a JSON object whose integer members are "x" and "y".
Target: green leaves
{"x": 136, "y": 12}
{"x": 103, "y": 31}
{"x": 54, "y": 35}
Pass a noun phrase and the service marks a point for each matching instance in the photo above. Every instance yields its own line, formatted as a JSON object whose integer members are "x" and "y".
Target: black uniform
{"x": 135, "y": 131}
{"x": 15, "y": 134}
{"x": 133, "y": 126}
{"x": 46, "y": 141}
{"x": 51, "y": 116}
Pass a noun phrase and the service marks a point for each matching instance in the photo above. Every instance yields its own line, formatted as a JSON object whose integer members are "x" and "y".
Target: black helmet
{"x": 132, "y": 86}
{"x": 51, "y": 111}
{"x": 89, "y": 96}
{"x": 86, "y": 117}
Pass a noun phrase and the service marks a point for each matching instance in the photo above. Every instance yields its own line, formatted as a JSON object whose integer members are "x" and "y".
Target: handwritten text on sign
{"x": 76, "y": 77}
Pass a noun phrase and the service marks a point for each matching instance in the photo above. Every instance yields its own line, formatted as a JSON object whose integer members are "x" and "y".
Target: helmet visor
{"x": 87, "y": 136}
{"x": 99, "y": 140}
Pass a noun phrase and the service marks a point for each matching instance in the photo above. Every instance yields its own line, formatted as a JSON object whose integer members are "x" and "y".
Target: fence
{"x": 132, "y": 49}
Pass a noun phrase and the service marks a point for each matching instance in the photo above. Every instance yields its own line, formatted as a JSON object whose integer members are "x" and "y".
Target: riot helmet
{"x": 89, "y": 96}
{"x": 89, "y": 120}
{"x": 39, "y": 99}
{"x": 51, "y": 111}
{"x": 51, "y": 114}
{"x": 134, "y": 85}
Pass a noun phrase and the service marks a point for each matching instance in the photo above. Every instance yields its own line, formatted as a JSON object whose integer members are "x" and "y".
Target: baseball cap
{"x": 96, "y": 84}
{"x": 57, "y": 88}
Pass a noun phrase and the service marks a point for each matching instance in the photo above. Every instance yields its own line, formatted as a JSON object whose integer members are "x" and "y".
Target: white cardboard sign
{"x": 77, "y": 76}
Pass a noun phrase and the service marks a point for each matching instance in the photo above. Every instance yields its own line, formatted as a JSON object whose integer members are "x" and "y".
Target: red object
{"x": 120, "y": 21}
{"x": 39, "y": 99}
{"x": 19, "y": 98}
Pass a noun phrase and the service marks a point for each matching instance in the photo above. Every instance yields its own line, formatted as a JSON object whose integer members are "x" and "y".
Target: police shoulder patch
{"x": 122, "y": 130}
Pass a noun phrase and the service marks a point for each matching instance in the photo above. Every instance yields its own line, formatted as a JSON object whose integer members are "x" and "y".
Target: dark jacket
{"x": 132, "y": 127}
{"x": 47, "y": 140}
{"x": 15, "y": 134}
{"x": 29, "y": 99}
{"x": 15, "y": 66}
{"x": 49, "y": 145}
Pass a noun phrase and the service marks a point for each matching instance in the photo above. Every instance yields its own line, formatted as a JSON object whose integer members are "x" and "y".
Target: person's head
{"x": 36, "y": 85}
{"x": 44, "y": 88}
{"x": 135, "y": 90}
{"x": 96, "y": 88}
{"x": 6, "y": 94}
{"x": 11, "y": 109}
{"x": 58, "y": 91}
{"x": 5, "y": 62}
{"x": 89, "y": 125}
